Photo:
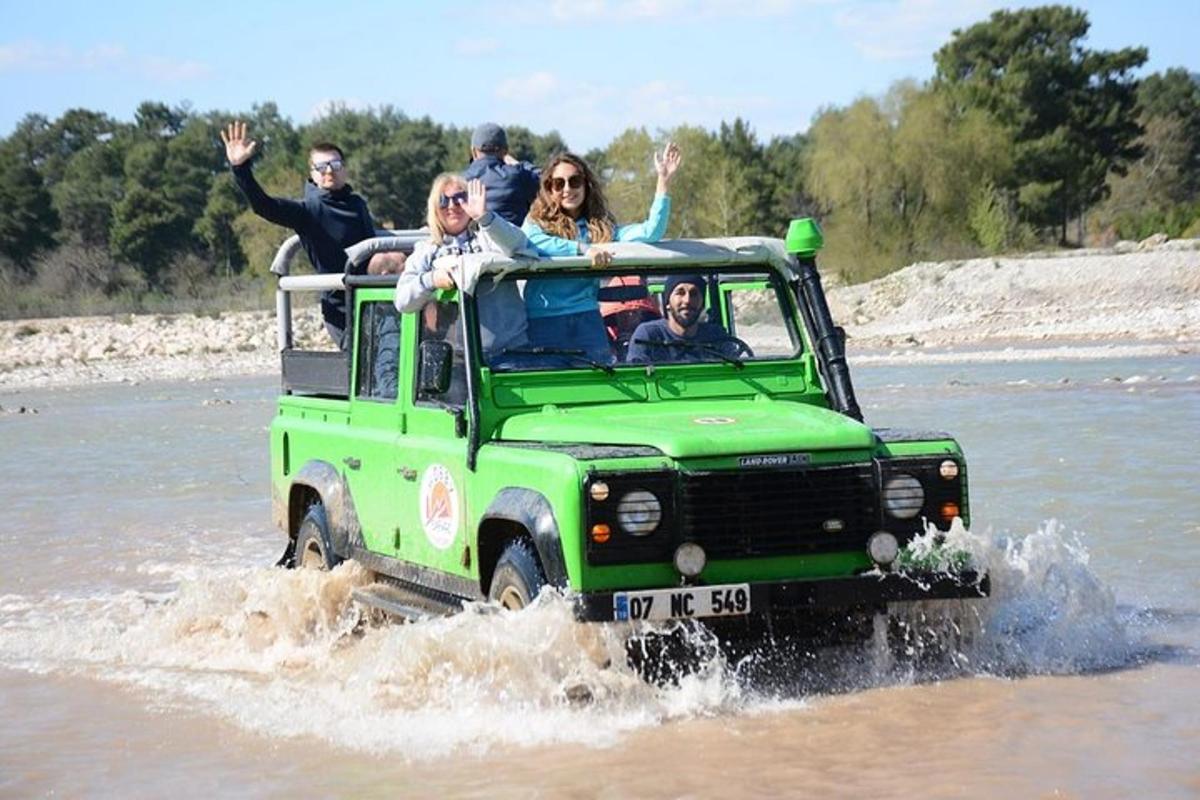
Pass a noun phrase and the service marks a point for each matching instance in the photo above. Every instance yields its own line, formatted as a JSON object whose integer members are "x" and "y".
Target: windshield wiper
{"x": 703, "y": 347}
{"x": 579, "y": 355}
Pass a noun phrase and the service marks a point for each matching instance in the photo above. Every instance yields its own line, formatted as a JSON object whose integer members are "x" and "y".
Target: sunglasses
{"x": 447, "y": 199}
{"x": 575, "y": 181}
{"x": 332, "y": 165}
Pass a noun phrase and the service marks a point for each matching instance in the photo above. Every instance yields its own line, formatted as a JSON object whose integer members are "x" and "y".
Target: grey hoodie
{"x": 502, "y": 321}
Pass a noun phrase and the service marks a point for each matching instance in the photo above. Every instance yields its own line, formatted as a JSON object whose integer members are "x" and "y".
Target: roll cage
{"x": 327, "y": 373}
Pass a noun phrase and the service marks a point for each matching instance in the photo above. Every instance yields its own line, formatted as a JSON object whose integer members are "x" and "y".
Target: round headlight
{"x": 639, "y": 512}
{"x": 903, "y": 496}
{"x": 948, "y": 469}
{"x": 883, "y": 548}
{"x": 690, "y": 559}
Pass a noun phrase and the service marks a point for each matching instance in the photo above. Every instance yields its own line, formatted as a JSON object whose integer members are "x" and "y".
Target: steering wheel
{"x": 741, "y": 348}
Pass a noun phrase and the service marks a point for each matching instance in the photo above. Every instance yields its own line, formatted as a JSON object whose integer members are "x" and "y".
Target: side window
{"x": 378, "y": 351}
{"x": 438, "y": 321}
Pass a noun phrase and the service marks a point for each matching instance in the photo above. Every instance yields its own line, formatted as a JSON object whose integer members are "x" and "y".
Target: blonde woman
{"x": 459, "y": 223}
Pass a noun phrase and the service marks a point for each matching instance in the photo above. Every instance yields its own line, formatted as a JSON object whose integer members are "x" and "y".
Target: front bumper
{"x": 823, "y": 594}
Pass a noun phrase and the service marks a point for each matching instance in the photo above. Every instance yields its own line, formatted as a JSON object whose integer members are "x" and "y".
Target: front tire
{"x": 313, "y": 548}
{"x": 518, "y": 577}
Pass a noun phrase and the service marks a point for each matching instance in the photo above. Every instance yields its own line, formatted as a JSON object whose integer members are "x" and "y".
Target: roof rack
{"x": 356, "y": 256}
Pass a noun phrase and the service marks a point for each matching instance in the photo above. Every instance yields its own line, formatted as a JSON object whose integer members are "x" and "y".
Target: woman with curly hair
{"x": 569, "y": 218}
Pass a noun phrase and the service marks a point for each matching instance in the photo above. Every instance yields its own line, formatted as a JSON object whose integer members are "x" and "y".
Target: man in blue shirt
{"x": 511, "y": 185}
{"x": 681, "y": 335}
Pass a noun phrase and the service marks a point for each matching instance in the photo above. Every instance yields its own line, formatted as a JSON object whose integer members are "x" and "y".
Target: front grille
{"x": 771, "y": 513}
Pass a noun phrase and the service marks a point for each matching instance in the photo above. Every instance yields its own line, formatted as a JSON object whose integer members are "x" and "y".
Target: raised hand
{"x": 238, "y": 149}
{"x": 667, "y": 164}
{"x": 476, "y": 197}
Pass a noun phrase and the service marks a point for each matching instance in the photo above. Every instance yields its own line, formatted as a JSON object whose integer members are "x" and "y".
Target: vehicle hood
{"x": 695, "y": 429}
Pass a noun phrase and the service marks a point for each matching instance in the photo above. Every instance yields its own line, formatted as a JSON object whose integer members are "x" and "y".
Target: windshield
{"x": 640, "y": 317}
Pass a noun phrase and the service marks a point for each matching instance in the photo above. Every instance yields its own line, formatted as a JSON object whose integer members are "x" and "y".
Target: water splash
{"x": 287, "y": 653}
{"x": 1048, "y": 613}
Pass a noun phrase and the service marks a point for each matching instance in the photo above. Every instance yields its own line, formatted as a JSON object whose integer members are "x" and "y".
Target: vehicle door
{"x": 376, "y": 429}
{"x": 433, "y": 459}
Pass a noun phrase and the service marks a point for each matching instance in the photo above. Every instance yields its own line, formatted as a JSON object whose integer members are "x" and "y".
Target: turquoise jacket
{"x": 557, "y": 297}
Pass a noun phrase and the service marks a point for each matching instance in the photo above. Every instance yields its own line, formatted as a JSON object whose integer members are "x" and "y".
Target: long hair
{"x": 548, "y": 213}
{"x": 437, "y": 233}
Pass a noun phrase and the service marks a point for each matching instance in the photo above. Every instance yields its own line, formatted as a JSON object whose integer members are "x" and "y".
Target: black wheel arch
{"x": 320, "y": 521}
{"x": 516, "y": 513}
{"x": 320, "y": 482}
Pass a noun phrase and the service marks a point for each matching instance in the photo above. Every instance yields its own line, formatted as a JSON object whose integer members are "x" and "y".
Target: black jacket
{"x": 328, "y": 223}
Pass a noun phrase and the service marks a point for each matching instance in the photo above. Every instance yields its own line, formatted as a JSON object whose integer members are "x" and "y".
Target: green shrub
{"x": 1175, "y": 221}
{"x": 993, "y": 220}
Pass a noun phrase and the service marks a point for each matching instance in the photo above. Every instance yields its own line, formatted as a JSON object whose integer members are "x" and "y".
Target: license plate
{"x": 704, "y": 601}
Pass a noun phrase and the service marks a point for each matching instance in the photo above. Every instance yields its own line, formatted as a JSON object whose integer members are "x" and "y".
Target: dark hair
{"x": 491, "y": 149}
{"x": 327, "y": 147}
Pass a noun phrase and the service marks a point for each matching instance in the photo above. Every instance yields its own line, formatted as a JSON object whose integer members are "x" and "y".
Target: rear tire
{"x": 313, "y": 547}
{"x": 518, "y": 577}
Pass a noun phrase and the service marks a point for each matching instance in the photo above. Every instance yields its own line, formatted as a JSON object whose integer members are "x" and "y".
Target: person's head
{"x": 568, "y": 191}
{"x": 489, "y": 139}
{"x": 327, "y": 166}
{"x": 387, "y": 263}
{"x": 444, "y": 210}
{"x": 683, "y": 301}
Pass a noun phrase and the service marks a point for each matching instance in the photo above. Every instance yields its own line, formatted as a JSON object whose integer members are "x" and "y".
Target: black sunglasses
{"x": 458, "y": 197}
{"x": 575, "y": 181}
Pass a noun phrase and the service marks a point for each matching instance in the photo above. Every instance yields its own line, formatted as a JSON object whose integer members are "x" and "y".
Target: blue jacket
{"x": 511, "y": 188}
{"x": 328, "y": 223}
{"x": 558, "y": 297}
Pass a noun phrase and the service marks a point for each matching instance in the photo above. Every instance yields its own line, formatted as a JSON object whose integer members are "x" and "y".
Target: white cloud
{"x": 887, "y": 30}
{"x": 33, "y": 56}
{"x": 165, "y": 69}
{"x": 476, "y": 47}
{"x": 664, "y": 104}
{"x": 590, "y": 113}
{"x": 627, "y": 10}
{"x": 535, "y": 88}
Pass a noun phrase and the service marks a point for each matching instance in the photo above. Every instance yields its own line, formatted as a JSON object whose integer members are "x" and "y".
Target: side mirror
{"x": 433, "y": 377}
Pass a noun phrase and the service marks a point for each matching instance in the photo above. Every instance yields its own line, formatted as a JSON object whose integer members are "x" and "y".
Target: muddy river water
{"x": 148, "y": 649}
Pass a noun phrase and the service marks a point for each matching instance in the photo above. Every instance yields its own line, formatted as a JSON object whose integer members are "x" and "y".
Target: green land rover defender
{"x": 730, "y": 476}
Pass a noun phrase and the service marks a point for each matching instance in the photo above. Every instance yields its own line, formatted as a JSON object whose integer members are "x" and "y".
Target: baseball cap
{"x": 489, "y": 134}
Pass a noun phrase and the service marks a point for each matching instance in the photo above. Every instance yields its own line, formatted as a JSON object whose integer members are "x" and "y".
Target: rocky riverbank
{"x": 1129, "y": 300}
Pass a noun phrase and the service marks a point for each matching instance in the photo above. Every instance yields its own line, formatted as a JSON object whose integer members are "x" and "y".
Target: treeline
{"x": 1024, "y": 137}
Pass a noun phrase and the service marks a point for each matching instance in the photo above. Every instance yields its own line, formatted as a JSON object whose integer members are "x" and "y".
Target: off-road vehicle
{"x": 734, "y": 481}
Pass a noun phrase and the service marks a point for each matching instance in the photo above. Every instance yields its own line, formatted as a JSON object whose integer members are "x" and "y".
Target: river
{"x": 148, "y": 649}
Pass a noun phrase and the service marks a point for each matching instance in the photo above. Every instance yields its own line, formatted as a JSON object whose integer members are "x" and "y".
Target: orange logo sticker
{"x": 439, "y": 506}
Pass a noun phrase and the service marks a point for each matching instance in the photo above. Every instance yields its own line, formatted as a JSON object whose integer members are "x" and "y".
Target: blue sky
{"x": 588, "y": 68}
